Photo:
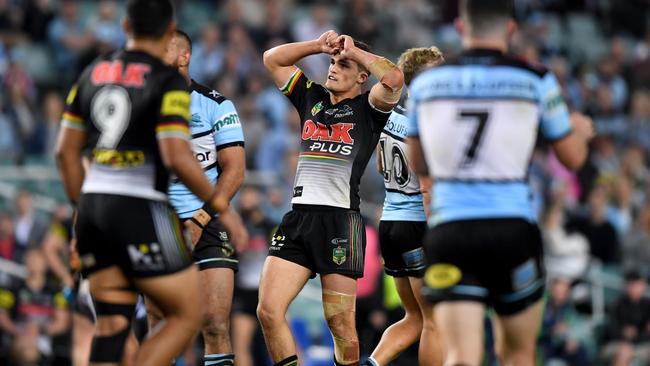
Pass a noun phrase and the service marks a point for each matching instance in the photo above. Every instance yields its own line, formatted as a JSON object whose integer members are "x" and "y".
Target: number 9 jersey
{"x": 403, "y": 197}
{"x": 125, "y": 102}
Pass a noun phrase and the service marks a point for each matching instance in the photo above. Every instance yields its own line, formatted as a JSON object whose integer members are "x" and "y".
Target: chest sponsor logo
{"x": 229, "y": 120}
{"x": 339, "y": 132}
{"x": 203, "y": 156}
{"x": 113, "y": 72}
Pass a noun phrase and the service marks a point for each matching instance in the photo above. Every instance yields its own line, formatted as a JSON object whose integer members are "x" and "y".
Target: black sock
{"x": 289, "y": 361}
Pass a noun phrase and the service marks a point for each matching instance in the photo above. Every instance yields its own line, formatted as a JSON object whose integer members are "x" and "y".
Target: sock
{"x": 336, "y": 363}
{"x": 219, "y": 359}
{"x": 371, "y": 362}
{"x": 289, "y": 361}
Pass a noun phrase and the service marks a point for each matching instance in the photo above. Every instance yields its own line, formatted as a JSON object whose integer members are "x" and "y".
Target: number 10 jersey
{"x": 403, "y": 197}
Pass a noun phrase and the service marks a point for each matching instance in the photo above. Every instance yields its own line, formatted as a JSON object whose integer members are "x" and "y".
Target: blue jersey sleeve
{"x": 412, "y": 117}
{"x": 226, "y": 125}
{"x": 555, "y": 114}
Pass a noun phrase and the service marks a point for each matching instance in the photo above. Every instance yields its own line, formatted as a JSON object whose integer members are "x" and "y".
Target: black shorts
{"x": 323, "y": 239}
{"x": 494, "y": 261}
{"x": 143, "y": 238}
{"x": 401, "y": 247}
{"x": 213, "y": 250}
{"x": 245, "y": 301}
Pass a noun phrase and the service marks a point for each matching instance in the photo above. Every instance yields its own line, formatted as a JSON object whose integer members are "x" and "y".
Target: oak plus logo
{"x": 328, "y": 138}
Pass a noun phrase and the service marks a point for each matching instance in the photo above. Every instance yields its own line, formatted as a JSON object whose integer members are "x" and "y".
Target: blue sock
{"x": 219, "y": 359}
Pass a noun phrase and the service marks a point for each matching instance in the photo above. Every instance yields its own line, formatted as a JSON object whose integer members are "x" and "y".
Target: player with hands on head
{"x": 324, "y": 232}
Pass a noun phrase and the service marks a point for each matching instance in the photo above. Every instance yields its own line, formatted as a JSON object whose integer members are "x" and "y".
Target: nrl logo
{"x": 339, "y": 255}
{"x": 317, "y": 108}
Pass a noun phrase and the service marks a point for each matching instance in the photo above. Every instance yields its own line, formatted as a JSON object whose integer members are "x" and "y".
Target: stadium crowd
{"x": 596, "y": 222}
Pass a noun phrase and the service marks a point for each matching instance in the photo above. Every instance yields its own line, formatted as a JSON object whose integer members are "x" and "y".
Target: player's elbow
{"x": 269, "y": 59}
{"x": 394, "y": 79}
{"x": 573, "y": 162}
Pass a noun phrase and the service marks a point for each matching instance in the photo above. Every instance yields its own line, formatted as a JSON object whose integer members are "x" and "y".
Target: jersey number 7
{"x": 481, "y": 118}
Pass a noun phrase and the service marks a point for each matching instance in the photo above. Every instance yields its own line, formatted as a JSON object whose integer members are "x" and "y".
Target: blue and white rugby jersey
{"x": 403, "y": 197}
{"x": 214, "y": 126}
{"x": 478, "y": 121}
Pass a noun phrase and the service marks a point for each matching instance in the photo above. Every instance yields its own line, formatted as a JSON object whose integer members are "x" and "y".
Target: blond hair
{"x": 414, "y": 60}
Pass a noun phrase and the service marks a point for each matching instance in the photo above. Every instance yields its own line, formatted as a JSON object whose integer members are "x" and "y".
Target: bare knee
{"x": 521, "y": 355}
{"x": 270, "y": 315}
{"x": 216, "y": 325}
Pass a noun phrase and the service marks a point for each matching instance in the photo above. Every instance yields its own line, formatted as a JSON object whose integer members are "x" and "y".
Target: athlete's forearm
{"x": 388, "y": 74}
{"x": 289, "y": 54}
{"x": 232, "y": 176}
{"x": 72, "y": 172}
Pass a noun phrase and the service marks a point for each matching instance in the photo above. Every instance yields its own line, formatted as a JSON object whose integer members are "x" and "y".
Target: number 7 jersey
{"x": 403, "y": 197}
{"x": 478, "y": 122}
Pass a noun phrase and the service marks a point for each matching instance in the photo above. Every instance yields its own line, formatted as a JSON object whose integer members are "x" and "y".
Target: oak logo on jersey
{"x": 339, "y": 132}
{"x": 112, "y": 72}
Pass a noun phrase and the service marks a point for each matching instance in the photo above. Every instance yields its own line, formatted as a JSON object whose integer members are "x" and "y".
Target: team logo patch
{"x": 196, "y": 120}
{"x": 227, "y": 250}
{"x": 442, "y": 276}
{"x": 339, "y": 255}
{"x": 317, "y": 108}
{"x": 297, "y": 191}
{"x": 146, "y": 256}
{"x": 277, "y": 242}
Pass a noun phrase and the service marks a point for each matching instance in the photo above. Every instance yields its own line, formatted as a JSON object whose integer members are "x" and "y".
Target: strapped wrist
{"x": 201, "y": 218}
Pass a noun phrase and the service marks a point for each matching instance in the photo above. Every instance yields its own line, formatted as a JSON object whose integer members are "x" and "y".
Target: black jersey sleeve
{"x": 379, "y": 117}
{"x": 298, "y": 88}
{"x": 174, "y": 112}
{"x": 72, "y": 114}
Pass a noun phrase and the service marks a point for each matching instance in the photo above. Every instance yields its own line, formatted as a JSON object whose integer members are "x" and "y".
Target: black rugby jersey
{"x": 337, "y": 142}
{"x": 125, "y": 101}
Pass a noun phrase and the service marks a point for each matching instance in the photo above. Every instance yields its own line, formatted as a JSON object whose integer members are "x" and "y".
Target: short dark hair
{"x": 482, "y": 14}
{"x": 186, "y": 37}
{"x": 361, "y": 45}
{"x": 149, "y": 18}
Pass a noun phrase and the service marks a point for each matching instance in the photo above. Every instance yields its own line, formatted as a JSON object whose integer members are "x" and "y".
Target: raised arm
{"x": 385, "y": 94}
{"x": 280, "y": 60}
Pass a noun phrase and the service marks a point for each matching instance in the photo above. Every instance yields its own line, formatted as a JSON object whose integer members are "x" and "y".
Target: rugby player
{"x": 324, "y": 231}
{"x": 218, "y": 144}
{"x": 473, "y": 126}
{"x": 130, "y": 112}
{"x": 401, "y": 229}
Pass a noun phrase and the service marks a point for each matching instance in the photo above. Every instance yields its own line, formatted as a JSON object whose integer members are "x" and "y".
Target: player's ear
{"x": 362, "y": 76}
{"x": 511, "y": 27}
{"x": 126, "y": 27}
{"x": 460, "y": 26}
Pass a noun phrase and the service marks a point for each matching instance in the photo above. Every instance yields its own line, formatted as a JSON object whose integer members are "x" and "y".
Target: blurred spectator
{"x": 639, "y": 119}
{"x": 571, "y": 88}
{"x": 641, "y": 65}
{"x": 105, "y": 26}
{"x": 7, "y": 238}
{"x": 615, "y": 92}
{"x": 33, "y": 312}
{"x": 359, "y": 21}
{"x": 38, "y": 14}
{"x": 608, "y": 118}
{"x": 69, "y": 36}
{"x": 563, "y": 329}
{"x": 628, "y": 327}
{"x": 29, "y": 228}
{"x": 9, "y": 138}
{"x": 274, "y": 30}
{"x": 566, "y": 254}
{"x": 208, "y": 55}
{"x": 51, "y": 117}
{"x": 593, "y": 224}
{"x": 251, "y": 261}
{"x": 279, "y": 142}
{"x": 311, "y": 27}
{"x": 636, "y": 245}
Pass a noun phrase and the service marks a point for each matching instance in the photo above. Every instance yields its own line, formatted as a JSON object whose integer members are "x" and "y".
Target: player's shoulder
{"x": 207, "y": 92}
{"x": 520, "y": 63}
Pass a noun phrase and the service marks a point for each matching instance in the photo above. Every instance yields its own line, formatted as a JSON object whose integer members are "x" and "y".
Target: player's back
{"x": 478, "y": 121}
{"x": 124, "y": 101}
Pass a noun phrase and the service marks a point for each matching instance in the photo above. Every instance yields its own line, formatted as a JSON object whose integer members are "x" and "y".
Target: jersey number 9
{"x": 111, "y": 112}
